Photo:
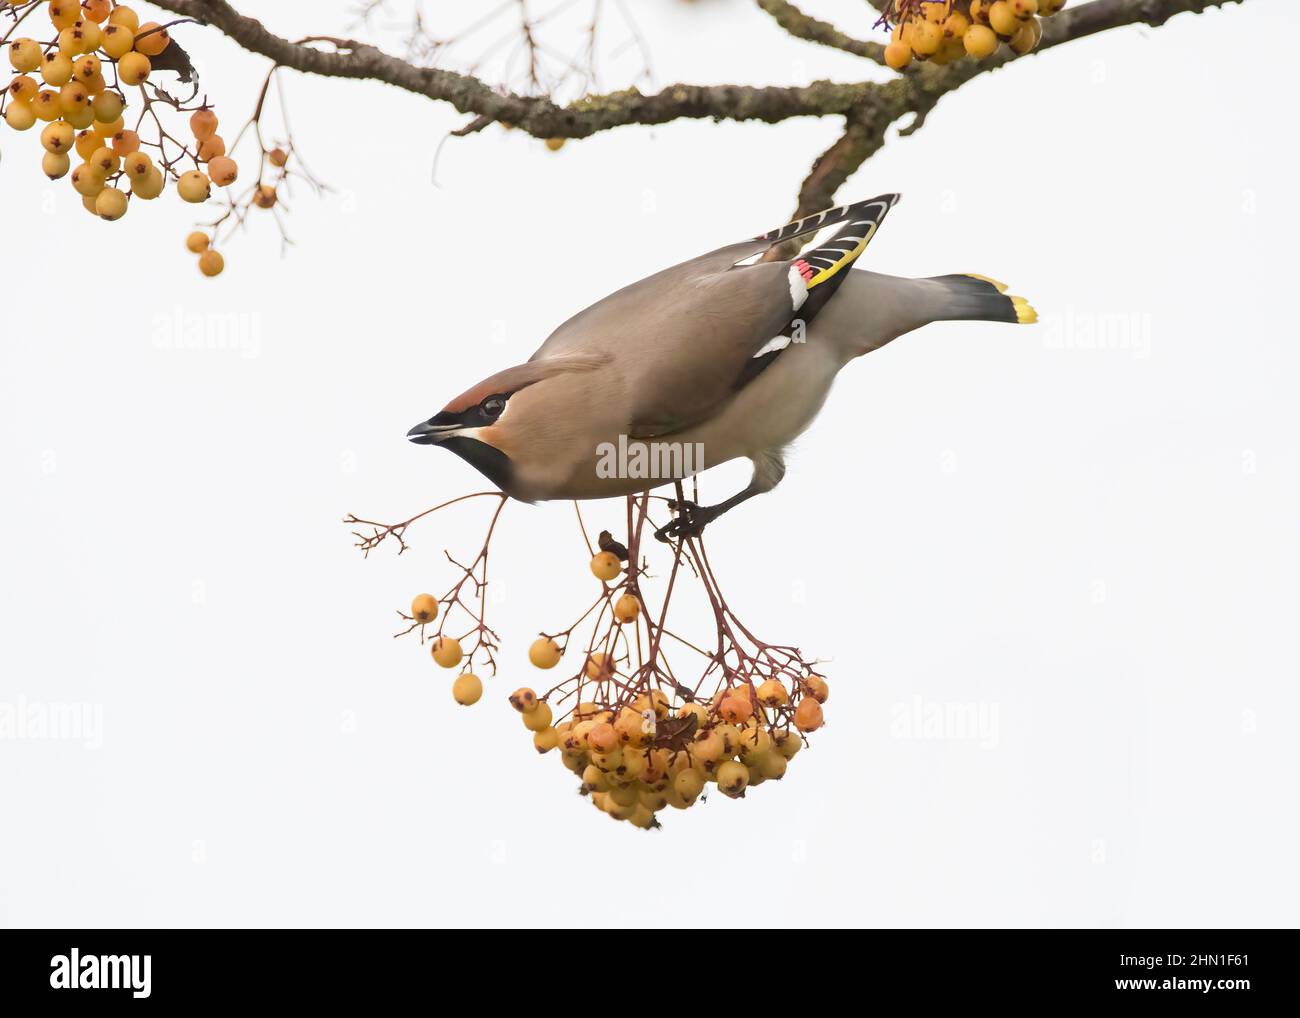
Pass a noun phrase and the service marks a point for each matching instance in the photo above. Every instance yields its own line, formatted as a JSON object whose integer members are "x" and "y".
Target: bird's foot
{"x": 690, "y": 522}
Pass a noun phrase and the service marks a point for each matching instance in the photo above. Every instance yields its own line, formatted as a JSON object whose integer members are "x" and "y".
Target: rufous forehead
{"x": 473, "y": 397}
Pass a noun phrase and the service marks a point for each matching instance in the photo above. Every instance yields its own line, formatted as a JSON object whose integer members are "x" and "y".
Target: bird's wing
{"x": 681, "y": 341}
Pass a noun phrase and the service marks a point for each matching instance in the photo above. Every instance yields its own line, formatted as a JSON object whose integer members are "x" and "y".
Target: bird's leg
{"x": 692, "y": 519}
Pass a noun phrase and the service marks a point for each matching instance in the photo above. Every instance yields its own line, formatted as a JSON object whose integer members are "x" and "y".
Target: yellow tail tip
{"x": 1001, "y": 287}
{"x": 1025, "y": 313}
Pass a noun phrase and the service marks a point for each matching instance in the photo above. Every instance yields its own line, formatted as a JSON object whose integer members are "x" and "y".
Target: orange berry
{"x": 544, "y": 652}
{"x": 203, "y": 124}
{"x": 446, "y": 651}
{"x": 927, "y": 37}
{"x": 264, "y": 196}
{"x": 211, "y": 263}
{"x": 278, "y": 157}
{"x": 211, "y": 147}
{"x": 223, "y": 171}
{"x": 126, "y": 142}
{"x": 735, "y": 709}
{"x": 151, "y": 39}
{"x": 808, "y": 715}
{"x": 198, "y": 243}
{"x": 773, "y": 693}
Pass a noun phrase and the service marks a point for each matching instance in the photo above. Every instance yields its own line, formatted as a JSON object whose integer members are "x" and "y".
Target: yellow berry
{"x": 927, "y": 37}
{"x": 20, "y": 116}
{"x": 86, "y": 68}
{"x": 133, "y": 68}
{"x": 118, "y": 41}
{"x": 150, "y": 187}
{"x": 956, "y": 24}
{"x": 545, "y": 740}
{"x": 447, "y": 652}
{"x": 544, "y": 652}
{"x": 524, "y": 700}
{"x": 87, "y": 142}
{"x": 773, "y": 693}
{"x": 106, "y": 129}
{"x": 771, "y": 766}
{"x": 25, "y": 55}
{"x": 980, "y": 41}
{"x": 87, "y": 180}
{"x": 467, "y": 689}
{"x": 110, "y": 204}
{"x": 91, "y": 35}
{"x": 1003, "y": 19}
{"x": 555, "y": 144}
{"x": 23, "y": 88}
{"x": 1024, "y": 9}
{"x": 211, "y": 263}
{"x": 108, "y": 107}
{"x": 605, "y": 565}
{"x": 58, "y": 137}
{"x": 688, "y": 784}
{"x": 195, "y": 187}
{"x": 64, "y": 13}
{"x": 787, "y": 743}
{"x": 73, "y": 97}
{"x": 1046, "y": 8}
{"x": 124, "y": 16}
{"x": 137, "y": 165}
{"x": 597, "y": 666}
{"x": 539, "y": 718}
{"x": 732, "y": 778}
{"x": 627, "y": 608}
{"x": 898, "y": 54}
{"x": 55, "y": 164}
{"x": 56, "y": 68}
{"x": 424, "y": 607}
{"x": 105, "y": 160}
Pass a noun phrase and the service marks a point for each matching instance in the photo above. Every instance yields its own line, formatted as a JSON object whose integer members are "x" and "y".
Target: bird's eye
{"x": 493, "y": 405}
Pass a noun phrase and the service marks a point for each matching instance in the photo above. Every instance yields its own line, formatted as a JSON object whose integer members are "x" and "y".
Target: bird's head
{"x": 496, "y": 422}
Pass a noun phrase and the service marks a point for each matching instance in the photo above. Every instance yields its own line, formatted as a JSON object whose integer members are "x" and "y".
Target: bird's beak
{"x": 431, "y": 432}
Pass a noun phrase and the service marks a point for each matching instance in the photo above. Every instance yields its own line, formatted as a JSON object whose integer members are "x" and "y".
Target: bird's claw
{"x": 690, "y": 522}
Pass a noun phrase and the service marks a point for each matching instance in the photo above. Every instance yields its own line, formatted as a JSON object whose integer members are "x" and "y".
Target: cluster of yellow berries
{"x": 942, "y": 31}
{"x": 637, "y": 758}
{"x": 83, "y": 112}
{"x": 638, "y": 749}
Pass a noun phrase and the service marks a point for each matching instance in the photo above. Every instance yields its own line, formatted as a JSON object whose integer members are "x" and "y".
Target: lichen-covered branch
{"x": 869, "y": 107}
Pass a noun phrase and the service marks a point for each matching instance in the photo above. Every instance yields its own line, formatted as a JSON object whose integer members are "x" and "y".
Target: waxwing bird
{"x": 721, "y": 357}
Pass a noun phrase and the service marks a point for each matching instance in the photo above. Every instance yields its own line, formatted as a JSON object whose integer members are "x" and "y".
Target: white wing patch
{"x": 774, "y": 344}
{"x": 798, "y": 288}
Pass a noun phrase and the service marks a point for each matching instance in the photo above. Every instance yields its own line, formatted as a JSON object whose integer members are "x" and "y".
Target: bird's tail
{"x": 972, "y": 298}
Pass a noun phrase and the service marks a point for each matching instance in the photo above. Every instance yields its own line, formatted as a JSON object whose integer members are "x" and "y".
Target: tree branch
{"x": 868, "y": 106}
{"x": 537, "y": 115}
{"x": 804, "y": 26}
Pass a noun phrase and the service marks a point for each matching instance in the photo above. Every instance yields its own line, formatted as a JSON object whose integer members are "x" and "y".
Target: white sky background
{"x": 1095, "y": 548}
